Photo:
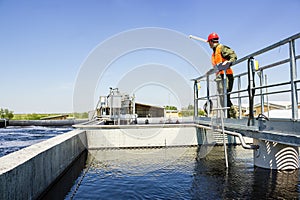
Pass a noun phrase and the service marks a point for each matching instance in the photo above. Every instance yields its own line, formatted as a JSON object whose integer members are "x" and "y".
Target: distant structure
{"x": 274, "y": 105}
{"x": 118, "y": 108}
{"x": 55, "y": 117}
{"x": 273, "y": 109}
{"x": 277, "y": 109}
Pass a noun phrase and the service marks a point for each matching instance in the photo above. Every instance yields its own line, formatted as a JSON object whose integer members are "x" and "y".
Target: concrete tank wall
{"x": 144, "y": 136}
{"x": 153, "y": 136}
{"x": 27, "y": 173}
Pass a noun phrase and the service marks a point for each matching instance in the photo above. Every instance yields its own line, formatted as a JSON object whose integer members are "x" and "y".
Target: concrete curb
{"x": 27, "y": 173}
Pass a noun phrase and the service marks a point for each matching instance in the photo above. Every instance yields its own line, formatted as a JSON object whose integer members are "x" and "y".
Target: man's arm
{"x": 228, "y": 54}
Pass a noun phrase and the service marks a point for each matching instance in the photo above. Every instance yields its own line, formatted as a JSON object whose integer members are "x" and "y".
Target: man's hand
{"x": 223, "y": 66}
{"x": 225, "y": 62}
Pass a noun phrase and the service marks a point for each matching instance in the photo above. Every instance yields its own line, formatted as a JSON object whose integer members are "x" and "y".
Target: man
{"x": 225, "y": 55}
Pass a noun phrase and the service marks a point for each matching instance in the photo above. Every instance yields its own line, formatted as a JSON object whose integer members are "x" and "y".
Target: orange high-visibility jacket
{"x": 217, "y": 58}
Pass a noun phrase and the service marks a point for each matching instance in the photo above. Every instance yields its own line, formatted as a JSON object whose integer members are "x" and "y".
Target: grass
{"x": 38, "y": 116}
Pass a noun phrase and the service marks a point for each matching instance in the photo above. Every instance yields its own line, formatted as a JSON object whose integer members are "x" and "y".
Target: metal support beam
{"x": 239, "y": 97}
{"x": 225, "y": 94}
{"x": 208, "y": 95}
{"x": 195, "y": 99}
{"x": 262, "y": 99}
{"x": 293, "y": 71}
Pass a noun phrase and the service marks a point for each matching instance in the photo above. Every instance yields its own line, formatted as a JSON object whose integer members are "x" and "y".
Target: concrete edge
{"x": 137, "y": 126}
{"x": 21, "y": 156}
{"x": 27, "y": 173}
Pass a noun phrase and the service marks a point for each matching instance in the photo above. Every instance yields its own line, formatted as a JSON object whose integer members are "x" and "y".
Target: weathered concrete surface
{"x": 27, "y": 173}
{"x": 130, "y": 136}
{"x": 152, "y": 135}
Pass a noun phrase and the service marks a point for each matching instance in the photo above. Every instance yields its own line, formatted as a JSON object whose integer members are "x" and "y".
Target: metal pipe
{"x": 225, "y": 93}
{"x": 277, "y": 92}
{"x": 282, "y": 42}
{"x": 266, "y": 93}
{"x": 251, "y": 91}
{"x": 196, "y": 99}
{"x": 296, "y": 36}
{"x": 208, "y": 96}
{"x": 273, "y": 85}
{"x": 270, "y": 65}
{"x": 239, "y": 98}
{"x": 293, "y": 78}
{"x": 224, "y": 142}
{"x": 258, "y": 87}
{"x": 262, "y": 100}
{"x": 239, "y": 135}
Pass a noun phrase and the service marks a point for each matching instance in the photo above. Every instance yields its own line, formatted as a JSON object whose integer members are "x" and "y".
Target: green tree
{"x": 170, "y": 107}
{"x": 1, "y": 113}
{"x": 5, "y": 113}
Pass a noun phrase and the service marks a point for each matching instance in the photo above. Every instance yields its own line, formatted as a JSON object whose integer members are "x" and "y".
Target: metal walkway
{"x": 251, "y": 87}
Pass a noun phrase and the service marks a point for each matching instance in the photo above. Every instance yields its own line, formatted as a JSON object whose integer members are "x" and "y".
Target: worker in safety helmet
{"x": 225, "y": 55}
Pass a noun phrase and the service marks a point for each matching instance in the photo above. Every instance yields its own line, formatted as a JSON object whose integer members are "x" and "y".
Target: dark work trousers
{"x": 220, "y": 82}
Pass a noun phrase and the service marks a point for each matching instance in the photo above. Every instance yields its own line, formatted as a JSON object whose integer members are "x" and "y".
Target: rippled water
{"x": 180, "y": 173}
{"x": 15, "y": 138}
{"x": 166, "y": 173}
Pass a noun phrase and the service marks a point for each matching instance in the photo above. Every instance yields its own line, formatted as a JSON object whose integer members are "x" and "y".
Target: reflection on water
{"x": 281, "y": 185}
{"x": 162, "y": 173}
{"x": 63, "y": 184}
{"x": 180, "y": 173}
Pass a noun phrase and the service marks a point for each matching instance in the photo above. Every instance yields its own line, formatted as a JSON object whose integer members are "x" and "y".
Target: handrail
{"x": 239, "y": 135}
{"x": 292, "y": 58}
{"x": 245, "y": 58}
{"x": 268, "y": 48}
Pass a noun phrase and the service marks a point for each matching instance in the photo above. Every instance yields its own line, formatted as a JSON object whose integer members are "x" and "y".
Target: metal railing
{"x": 264, "y": 89}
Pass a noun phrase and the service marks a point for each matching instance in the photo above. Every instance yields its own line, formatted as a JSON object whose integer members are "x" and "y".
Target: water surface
{"x": 180, "y": 173}
{"x": 163, "y": 173}
{"x": 14, "y": 138}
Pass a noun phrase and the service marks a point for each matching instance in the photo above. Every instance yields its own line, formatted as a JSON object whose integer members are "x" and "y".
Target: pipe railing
{"x": 292, "y": 82}
{"x": 236, "y": 134}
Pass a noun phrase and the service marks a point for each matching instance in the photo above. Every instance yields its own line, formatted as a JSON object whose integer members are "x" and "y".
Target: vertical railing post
{"x": 267, "y": 96}
{"x": 195, "y": 100}
{"x": 239, "y": 97}
{"x": 293, "y": 71}
{"x": 225, "y": 94}
{"x": 251, "y": 90}
{"x": 208, "y": 96}
{"x": 262, "y": 99}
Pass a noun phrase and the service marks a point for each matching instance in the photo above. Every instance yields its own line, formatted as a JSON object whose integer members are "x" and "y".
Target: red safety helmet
{"x": 212, "y": 36}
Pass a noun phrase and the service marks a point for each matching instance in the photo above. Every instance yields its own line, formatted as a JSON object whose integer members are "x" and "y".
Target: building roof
{"x": 280, "y": 113}
{"x": 147, "y": 105}
{"x": 55, "y": 117}
{"x": 279, "y": 104}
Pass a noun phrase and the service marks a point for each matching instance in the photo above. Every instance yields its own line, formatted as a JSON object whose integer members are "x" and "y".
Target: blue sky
{"x": 44, "y": 43}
